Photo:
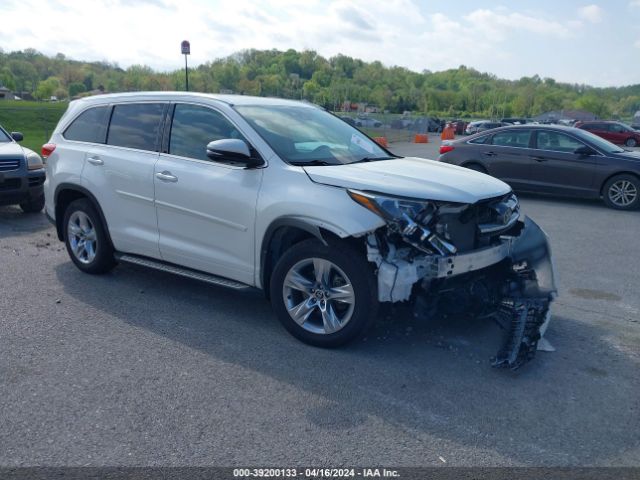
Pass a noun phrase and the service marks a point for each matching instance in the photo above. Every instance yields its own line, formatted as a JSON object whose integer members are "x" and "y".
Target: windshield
{"x": 600, "y": 143}
{"x": 4, "y": 136}
{"x": 303, "y": 135}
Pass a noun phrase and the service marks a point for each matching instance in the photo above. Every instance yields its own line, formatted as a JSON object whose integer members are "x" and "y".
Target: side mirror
{"x": 232, "y": 150}
{"x": 584, "y": 151}
{"x": 17, "y": 136}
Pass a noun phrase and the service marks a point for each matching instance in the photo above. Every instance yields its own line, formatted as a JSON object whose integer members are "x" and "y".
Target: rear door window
{"x": 557, "y": 142}
{"x": 136, "y": 126}
{"x": 512, "y": 138}
{"x": 90, "y": 126}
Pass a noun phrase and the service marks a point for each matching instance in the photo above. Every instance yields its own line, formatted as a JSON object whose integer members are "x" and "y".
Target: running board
{"x": 182, "y": 271}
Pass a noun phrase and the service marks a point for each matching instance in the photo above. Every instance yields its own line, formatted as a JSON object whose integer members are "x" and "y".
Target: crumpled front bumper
{"x": 525, "y": 308}
{"x": 525, "y": 274}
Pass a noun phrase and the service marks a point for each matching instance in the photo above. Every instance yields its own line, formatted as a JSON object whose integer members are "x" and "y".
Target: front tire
{"x": 622, "y": 192}
{"x": 631, "y": 142}
{"x": 33, "y": 205}
{"x": 86, "y": 239}
{"x": 325, "y": 296}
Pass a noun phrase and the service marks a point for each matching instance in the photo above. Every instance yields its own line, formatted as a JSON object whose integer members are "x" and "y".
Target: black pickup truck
{"x": 22, "y": 174}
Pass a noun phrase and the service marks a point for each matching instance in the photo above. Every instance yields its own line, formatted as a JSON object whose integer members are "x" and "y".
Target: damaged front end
{"x": 482, "y": 258}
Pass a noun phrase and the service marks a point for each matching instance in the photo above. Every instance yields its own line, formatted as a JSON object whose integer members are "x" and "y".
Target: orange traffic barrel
{"x": 421, "y": 138}
{"x": 382, "y": 141}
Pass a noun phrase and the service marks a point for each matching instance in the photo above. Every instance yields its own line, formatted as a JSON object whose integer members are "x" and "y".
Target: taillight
{"x": 47, "y": 149}
{"x": 446, "y": 148}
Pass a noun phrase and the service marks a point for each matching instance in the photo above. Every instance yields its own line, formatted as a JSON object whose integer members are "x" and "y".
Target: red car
{"x": 615, "y": 132}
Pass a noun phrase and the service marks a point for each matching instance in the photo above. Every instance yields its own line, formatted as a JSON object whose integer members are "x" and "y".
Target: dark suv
{"x": 615, "y": 132}
{"x": 22, "y": 174}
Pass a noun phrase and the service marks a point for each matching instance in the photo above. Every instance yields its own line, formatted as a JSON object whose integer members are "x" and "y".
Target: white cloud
{"x": 634, "y": 3}
{"x": 591, "y": 13}
{"x": 396, "y": 32}
{"x": 637, "y": 44}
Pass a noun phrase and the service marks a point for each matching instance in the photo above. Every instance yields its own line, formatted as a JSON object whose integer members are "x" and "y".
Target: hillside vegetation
{"x": 457, "y": 92}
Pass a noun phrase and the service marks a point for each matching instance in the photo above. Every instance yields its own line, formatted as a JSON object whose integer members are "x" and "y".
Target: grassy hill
{"x": 36, "y": 120}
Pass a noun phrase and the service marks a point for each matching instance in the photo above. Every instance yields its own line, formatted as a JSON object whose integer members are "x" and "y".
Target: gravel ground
{"x": 143, "y": 368}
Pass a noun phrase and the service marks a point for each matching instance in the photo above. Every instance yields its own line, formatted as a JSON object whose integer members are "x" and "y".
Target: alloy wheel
{"x": 623, "y": 193}
{"x": 318, "y": 296}
{"x": 82, "y": 237}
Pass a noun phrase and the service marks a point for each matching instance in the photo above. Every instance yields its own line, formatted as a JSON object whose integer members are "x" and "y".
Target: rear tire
{"x": 622, "y": 192}
{"x": 33, "y": 205}
{"x": 631, "y": 142}
{"x": 86, "y": 238}
{"x": 331, "y": 290}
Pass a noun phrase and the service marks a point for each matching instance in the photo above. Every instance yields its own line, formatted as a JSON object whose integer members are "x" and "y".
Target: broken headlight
{"x": 415, "y": 220}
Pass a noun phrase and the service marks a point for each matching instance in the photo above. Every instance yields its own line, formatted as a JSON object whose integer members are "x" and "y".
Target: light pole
{"x": 185, "y": 47}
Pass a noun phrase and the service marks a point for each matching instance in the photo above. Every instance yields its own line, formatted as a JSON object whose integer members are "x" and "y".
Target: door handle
{"x": 540, "y": 159}
{"x": 489, "y": 154}
{"x": 166, "y": 177}
{"x": 95, "y": 161}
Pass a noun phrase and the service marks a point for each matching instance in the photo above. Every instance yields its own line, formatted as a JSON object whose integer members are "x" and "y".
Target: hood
{"x": 11, "y": 150}
{"x": 628, "y": 155}
{"x": 412, "y": 177}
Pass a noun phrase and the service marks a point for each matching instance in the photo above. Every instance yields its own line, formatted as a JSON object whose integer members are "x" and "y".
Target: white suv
{"x": 283, "y": 196}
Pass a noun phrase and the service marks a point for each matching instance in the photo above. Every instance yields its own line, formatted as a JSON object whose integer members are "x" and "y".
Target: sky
{"x": 592, "y": 42}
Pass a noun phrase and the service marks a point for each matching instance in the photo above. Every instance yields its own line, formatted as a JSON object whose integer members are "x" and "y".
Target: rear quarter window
{"x": 90, "y": 126}
{"x": 479, "y": 140}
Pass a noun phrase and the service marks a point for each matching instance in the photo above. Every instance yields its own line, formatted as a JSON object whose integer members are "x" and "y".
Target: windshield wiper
{"x": 312, "y": 163}
{"x": 372, "y": 159}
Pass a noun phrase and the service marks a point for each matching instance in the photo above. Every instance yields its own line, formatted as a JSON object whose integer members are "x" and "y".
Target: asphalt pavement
{"x": 144, "y": 368}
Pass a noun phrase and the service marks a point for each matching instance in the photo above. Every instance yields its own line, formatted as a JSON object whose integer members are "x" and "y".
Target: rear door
{"x": 120, "y": 175}
{"x": 506, "y": 156}
{"x": 617, "y": 133}
{"x": 600, "y": 129}
{"x": 557, "y": 169}
{"x": 206, "y": 210}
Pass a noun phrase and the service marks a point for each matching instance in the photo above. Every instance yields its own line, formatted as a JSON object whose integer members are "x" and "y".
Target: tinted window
{"x": 135, "y": 126}
{"x": 512, "y": 138}
{"x": 89, "y": 126}
{"x": 194, "y": 127}
{"x": 617, "y": 128}
{"x": 479, "y": 140}
{"x": 557, "y": 142}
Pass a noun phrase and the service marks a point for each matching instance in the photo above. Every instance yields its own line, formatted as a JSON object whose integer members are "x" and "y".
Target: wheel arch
{"x": 285, "y": 232}
{"x": 65, "y": 194}
{"x": 622, "y": 172}
{"x": 475, "y": 162}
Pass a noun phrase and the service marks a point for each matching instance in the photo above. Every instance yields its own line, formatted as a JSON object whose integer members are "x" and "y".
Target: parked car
{"x": 367, "y": 122}
{"x": 635, "y": 126}
{"x": 402, "y": 123}
{"x": 459, "y": 126}
{"x": 22, "y": 174}
{"x": 280, "y": 195}
{"x": 615, "y": 132}
{"x": 481, "y": 126}
{"x": 514, "y": 120}
{"x": 554, "y": 160}
{"x": 425, "y": 125}
{"x": 349, "y": 120}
